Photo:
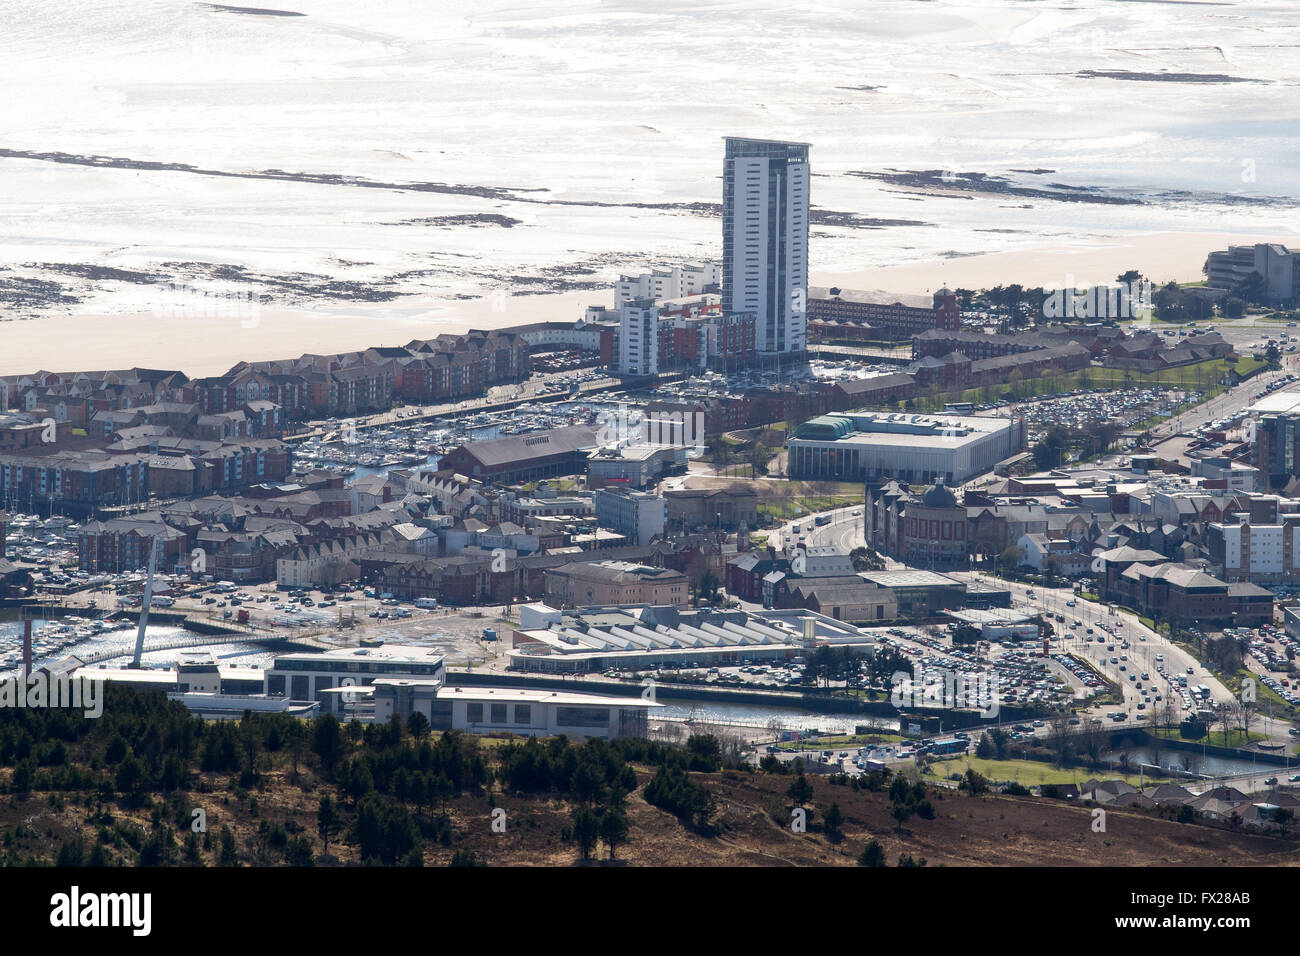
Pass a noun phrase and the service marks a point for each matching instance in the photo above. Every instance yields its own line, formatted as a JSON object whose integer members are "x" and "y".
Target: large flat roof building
{"x": 866, "y": 446}
{"x": 307, "y": 676}
{"x": 555, "y": 641}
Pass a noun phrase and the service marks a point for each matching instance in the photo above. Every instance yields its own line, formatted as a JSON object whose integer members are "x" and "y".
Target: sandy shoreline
{"x": 200, "y": 344}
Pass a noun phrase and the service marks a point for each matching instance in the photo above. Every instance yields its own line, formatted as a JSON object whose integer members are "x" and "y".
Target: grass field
{"x": 782, "y": 501}
{"x": 1032, "y": 773}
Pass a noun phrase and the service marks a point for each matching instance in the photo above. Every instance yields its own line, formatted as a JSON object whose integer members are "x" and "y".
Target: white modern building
{"x": 308, "y": 676}
{"x": 864, "y": 446}
{"x": 638, "y": 515}
{"x": 376, "y": 683}
{"x": 765, "y": 198}
{"x": 638, "y": 337}
{"x": 633, "y": 466}
{"x": 1277, "y": 266}
{"x": 675, "y": 283}
{"x": 1255, "y": 552}
{"x": 522, "y": 711}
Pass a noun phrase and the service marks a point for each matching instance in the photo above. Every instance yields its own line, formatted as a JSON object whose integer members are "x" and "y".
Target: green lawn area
{"x": 783, "y": 509}
{"x": 782, "y": 501}
{"x": 743, "y": 470}
{"x": 1031, "y": 773}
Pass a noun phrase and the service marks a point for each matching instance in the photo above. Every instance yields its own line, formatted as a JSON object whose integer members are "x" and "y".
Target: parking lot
{"x": 1085, "y": 409}
{"x": 345, "y": 615}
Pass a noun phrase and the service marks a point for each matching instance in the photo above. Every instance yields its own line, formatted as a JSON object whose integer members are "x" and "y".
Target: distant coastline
{"x": 210, "y": 345}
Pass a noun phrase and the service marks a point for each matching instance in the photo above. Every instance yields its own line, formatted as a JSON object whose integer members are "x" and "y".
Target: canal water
{"x": 48, "y": 646}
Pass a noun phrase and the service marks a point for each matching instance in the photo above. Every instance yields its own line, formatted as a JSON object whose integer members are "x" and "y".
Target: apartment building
{"x": 765, "y": 201}
{"x": 873, "y": 314}
{"x": 615, "y": 582}
{"x": 639, "y": 516}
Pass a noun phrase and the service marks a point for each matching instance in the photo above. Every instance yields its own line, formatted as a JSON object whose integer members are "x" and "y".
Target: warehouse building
{"x": 520, "y": 458}
{"x": 920, "y": 593}
{"x": 868, "y": 446}
{"x": 595, "y": 639}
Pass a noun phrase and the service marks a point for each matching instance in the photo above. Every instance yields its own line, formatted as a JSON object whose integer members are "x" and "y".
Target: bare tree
{"x": 1226, "y": 719}
{"x": 1060, "y": 738}
{"x": 1168, "y": 713}
{"x": 1246, "y": 716}
{"x": 774, "y": 727}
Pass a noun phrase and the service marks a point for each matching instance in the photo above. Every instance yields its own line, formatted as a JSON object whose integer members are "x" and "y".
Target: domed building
{"x": 939, "y": 497}
{"x": 932, "y": 530}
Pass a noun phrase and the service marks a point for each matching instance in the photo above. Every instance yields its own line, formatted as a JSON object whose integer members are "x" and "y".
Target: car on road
{"x": 1270, "y": 782}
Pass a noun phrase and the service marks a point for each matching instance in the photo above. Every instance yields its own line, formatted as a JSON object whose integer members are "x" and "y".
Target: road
{"x": 844, "y": 530}
{"x": 1221, "y": 406}
{"x": 1144, "y": 646}
{"x": 1144, "y": 643}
